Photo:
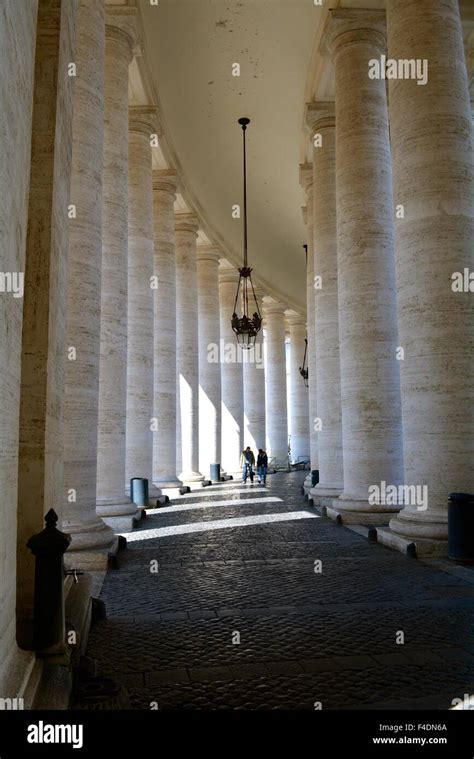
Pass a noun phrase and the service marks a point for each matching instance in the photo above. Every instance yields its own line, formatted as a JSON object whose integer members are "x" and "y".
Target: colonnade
{"x": 120, "y": 360}
{"x": 390, "y": 220}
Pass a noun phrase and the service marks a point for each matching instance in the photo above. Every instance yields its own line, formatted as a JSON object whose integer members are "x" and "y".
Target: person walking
{"x": 262, "y": 466}
{"x": 247, "y": 462}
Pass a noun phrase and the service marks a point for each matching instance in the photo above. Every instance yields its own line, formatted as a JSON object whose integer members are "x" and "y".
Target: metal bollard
{"x": 461, "y": 527}
{"x": 48, "y": 548}
{"x": 139, "y": 491}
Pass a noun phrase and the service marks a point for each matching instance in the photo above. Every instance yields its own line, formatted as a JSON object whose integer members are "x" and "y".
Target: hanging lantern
{"x": 246, "y": 326}
{"x": 304, "y": 371}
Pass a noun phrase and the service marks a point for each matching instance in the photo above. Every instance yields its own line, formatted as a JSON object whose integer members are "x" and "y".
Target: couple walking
{"x": 247, "y": 462}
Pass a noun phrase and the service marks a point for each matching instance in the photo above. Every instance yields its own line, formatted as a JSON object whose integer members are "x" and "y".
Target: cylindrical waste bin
{"x": 139, "y": 491}
{"x": 314, "y": 477}
{"x": 215, "y": 472}
{"x": 461, "y": 527}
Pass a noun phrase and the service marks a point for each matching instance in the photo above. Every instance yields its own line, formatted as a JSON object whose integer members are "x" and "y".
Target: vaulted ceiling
{"x": 191, "y": 47}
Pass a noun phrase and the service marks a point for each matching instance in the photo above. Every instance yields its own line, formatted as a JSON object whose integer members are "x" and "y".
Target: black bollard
{"x": 48, "y": 548}
{"x": 461, "y": 528}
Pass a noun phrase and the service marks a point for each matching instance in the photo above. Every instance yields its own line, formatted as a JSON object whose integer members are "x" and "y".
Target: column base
{"x": 353, "y": 511}
{"x": 419, "y": 548}
{"x": 420, "y": 526}
{"x": 91, "y": 546}
{"x": 323, "y": 496}
{"x": 121, "y": 514}
{"x": 194, "y": 480}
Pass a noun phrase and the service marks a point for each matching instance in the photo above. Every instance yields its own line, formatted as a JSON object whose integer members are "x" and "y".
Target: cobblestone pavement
{"x": 279, "y": 614}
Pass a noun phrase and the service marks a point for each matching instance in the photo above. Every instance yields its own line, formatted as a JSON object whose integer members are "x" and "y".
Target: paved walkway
{"x": 237, "y": 617}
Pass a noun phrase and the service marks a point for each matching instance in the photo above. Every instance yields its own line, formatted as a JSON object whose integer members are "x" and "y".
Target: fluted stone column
{"x": 254, "y": 389}
{"x": 275, "y": 376}
{"x": 187, "y": 350}
{"x": 164, "y": 353}
{"x": 231, "y": 373}
{"x": 209, "y": 358}
{"x": 433, "y": 181}
{"x": 299, "y": 402}
{"x": 112, "y": 504}
{"x": 306, "y": 181}
{"x": 139, "y": 423}
{"x": 370, "y": 388}
{"x": 321, "y": 122}
{"x": 40, "y": 473}
{"x": 92, "y": 540}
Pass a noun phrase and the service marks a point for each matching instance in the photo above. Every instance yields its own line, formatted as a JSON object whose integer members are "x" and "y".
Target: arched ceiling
{"x": 191, "y": 46}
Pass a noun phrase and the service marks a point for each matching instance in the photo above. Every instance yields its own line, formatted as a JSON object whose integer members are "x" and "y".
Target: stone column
{"x": 254, "y": 389}
{"x": 92, "y": 540}
{"x": 321, "y": 122}
{"x": 231, "y": 373}
{"x": 370, "y": 387}
{"x": 299, "y": 402}
{"x": 209, "y": 358}
{"x": 17, "y": 33}
{"x": 112, "y": 504}
{"x": 306, "y": 181}
{"x": 275, "y": 376}
{"x": 164, "y": 353}
{"x": 433, "y": 182}
{"x": 187, "y": 351}
{"x": 139, "y": 423}
{"x": 40, "y": 472}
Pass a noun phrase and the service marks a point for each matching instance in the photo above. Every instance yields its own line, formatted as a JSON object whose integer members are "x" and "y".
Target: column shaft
{"x": 81, "y": 402}
{"x": 209, "y": 363}
{"x": 326, "y": 321}
{"x": 254, "y": 390}
{"x": 112, "y": 504}
{"x": 17, "y": 33}
{"x": 275, "y": 376}
{"x": 164, "y": 353}
{"x": 41, "y": 423}
{"x": 231, "y": 373}
{"x": 306, "y": 181}
{"x": 139, "y": 424}
{"x": 370, "y": 389}
{"x": 433, "y": 181}
{"x": 299, "y": 401}
{"x": 187, "y": 355}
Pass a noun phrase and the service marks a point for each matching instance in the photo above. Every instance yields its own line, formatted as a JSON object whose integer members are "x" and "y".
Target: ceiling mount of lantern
{"x": 246, "y": 326}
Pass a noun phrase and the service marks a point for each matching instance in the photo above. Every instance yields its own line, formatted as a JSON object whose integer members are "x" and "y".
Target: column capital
{"x": 144, "y": 119}
{"x": 121, "y": 26}
{"x": 228, "y": 273}
{"x": 319, "y": 115}
{"x": 272, "y": 306}
{"x": 165, "y": 180}
{"x": 209, "y": 253}
{"x": 294, "y": 319}
{"x": 186, "y": 222}
{"x": 348, "y": 26}
{"x": 306, "y": 176}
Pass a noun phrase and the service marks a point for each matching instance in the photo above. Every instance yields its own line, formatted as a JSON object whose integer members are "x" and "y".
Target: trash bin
{"x": 461, "y": 527}
{"x": 139, "y": 491}
{"x": 314, "y": 477}
{"x": 215, "y": 472}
